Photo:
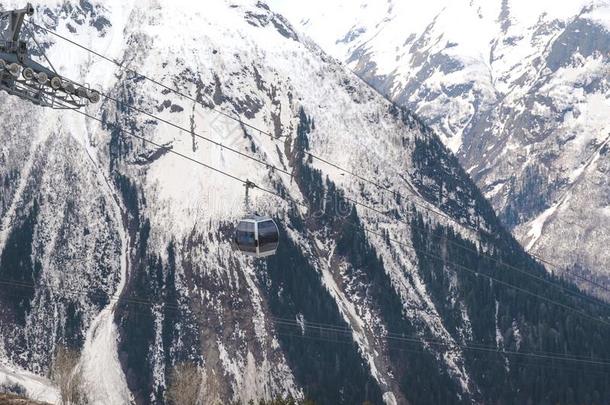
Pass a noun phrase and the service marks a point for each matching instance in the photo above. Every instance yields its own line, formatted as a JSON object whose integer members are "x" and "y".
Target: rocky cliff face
{"x": 518, "y": 91}
{"x": 121, "y": 250}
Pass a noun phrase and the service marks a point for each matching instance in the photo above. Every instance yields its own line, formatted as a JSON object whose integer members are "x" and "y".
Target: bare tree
{"x": 184, "y": 384}
{"x": 69, "y": 377}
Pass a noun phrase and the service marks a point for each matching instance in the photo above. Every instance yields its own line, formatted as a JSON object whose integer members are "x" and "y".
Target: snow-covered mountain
{"x": 121, "y": 250}
{"x": 518, "y": 89}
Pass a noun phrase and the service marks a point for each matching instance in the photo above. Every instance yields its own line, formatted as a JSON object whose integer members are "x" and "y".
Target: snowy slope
{"x": 129, "y": 247}
{"x": 36, "y": 387}
{"x": 518, "y": 89}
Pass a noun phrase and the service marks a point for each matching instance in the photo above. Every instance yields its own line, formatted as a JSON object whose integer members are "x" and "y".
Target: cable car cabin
{"x": 257, "y": 236}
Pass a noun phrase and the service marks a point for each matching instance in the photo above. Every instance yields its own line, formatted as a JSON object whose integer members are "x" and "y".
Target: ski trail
{"x": 103, "y": 373}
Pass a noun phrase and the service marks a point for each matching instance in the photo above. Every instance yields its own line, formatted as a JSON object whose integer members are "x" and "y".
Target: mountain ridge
{"x": 516, "y": 90}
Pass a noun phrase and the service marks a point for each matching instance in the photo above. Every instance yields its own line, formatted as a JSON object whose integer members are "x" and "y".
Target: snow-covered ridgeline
{"x": 517, "y": 90}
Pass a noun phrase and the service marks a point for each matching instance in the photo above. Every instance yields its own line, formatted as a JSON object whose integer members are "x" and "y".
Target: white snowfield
{"x": 513, "y": 87}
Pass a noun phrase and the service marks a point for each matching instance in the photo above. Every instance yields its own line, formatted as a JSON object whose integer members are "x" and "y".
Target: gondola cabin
{"x": 257, "y": 236}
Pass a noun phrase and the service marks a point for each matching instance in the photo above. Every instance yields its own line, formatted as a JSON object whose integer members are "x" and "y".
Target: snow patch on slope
{"x": 37, "y": 388}
{"x": 350, "y": 314}
{"x": 538, "y": 224}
